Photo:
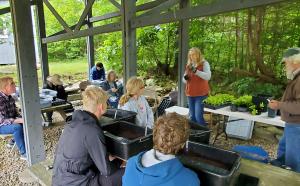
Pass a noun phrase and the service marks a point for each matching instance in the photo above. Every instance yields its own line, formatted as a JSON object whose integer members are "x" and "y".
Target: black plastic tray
{"x": 110, "y": 116}
{"x": 216, "y": 107}
{"x": 214, "y": 166}
{"x": 199, "y": 133}
{"x": 126, "y": 139}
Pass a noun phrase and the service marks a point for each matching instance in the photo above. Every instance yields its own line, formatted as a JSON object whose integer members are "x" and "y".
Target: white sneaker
{"x": 23, "y": 157}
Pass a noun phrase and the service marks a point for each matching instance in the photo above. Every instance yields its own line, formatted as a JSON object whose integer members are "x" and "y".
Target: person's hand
{"x": 192, "y": 68}
{"x": 123, "y": 165}
{"x": 114, "y": 89}
{"x": 19, "y": 120}
{"x": 111, "y": 157}
{"x": 274, "y": 104}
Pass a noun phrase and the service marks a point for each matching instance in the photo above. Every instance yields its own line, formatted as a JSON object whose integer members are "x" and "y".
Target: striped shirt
{"x": 8, "y": 109}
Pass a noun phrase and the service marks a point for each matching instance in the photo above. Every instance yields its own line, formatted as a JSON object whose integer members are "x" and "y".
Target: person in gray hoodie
{"x": 81, "y": 157}
{"x": 134, "y": 101}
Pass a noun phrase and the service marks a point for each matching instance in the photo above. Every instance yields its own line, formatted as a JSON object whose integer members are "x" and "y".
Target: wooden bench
{"x": 267, "y": 174}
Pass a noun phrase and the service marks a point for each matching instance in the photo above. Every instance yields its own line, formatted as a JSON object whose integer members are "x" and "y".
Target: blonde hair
{"x": 92, "y": 97}
{"x": 170, "y": 133}
{"x": 133, "y": 85}
{"x": 4, "y": 81}
{"x": 109, "y": 73}
{"x": 197, "y": 51}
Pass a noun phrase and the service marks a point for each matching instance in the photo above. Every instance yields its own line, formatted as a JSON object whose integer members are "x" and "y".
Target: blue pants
{"x": 289, "y": 146}
{"x": 196, "y": 108}
{"x": 17, "y": 131}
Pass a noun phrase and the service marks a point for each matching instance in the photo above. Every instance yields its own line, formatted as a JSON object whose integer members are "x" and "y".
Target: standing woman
{"x": 196, "y": 76}
{"x": 134, "y": 101}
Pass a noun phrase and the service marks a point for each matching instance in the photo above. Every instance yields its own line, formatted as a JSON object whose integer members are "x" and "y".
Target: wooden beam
{"x": 183, "y": 42}
{"x": 139, "y": 8}
{"x": 158, "y": 9}
{"x": 116, "y": 4}
{"x": 27, "y": 73}
{"x": 7, "y": 9}
{"x": 128, "y": 39}
{"x": 218, "y": 7}
{"x": 64, "y": 31}
{"x": 90, "y": 47}
{"x": 85, "y": 12}
{"x": 41, "y": 34}
{"x": 83, "y": 33}
{"x": 57, "y": 16}
{"x": 4, "y": 10}
{"x": 105, "y": 16}
{"x": 149, "y": 5}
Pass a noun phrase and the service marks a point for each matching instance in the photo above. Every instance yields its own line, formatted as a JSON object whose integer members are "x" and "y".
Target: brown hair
{"x": 4, "y": 81}
{"x": 170, "y": 133}
{"x": 109, "y": 73}
{"x": 133, "y": 85}
{"x": 198, "y": 53}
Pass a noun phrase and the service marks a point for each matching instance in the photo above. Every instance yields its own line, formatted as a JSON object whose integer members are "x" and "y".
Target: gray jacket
{"x": 81, "y": 152}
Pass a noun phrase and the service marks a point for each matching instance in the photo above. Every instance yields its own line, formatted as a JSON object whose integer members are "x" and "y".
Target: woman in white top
{"x": 134, "y": 101}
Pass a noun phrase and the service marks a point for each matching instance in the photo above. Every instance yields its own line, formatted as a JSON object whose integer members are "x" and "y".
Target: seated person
{"x": 97, "y": 72}
{"x": 112, "y": 89}
{"x": 11, "y": 122}
{"x": 81, "y": 157}
{"x": 54, "y": 83}
{"x": 134, "y": 101}
{"x": 159, "y": 166}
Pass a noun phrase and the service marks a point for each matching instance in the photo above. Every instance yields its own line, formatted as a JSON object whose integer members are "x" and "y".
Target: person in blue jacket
{"x": 97, "y": 72}
{"x": 159, "y": 166}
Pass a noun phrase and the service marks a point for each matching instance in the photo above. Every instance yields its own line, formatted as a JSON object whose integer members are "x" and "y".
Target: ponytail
{"x": 124, "y": 99}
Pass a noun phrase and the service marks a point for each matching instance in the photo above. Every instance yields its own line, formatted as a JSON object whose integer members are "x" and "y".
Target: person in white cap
{"x": 289, "y": 145}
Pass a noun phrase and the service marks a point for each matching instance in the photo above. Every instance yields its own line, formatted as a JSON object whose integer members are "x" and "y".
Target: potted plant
{"x": 243, "y": 103}
{"x": 218, "y": 101}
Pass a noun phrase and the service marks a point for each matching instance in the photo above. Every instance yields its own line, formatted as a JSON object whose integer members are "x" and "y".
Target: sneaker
{"x": 10, "y": 144}
{"x": 23, "y": 157}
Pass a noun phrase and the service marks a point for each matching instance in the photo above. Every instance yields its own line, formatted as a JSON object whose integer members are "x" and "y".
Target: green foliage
{"x": 245, "y": 100}
{"x": 250, "y": 85}
{"x": 219, "y": 99}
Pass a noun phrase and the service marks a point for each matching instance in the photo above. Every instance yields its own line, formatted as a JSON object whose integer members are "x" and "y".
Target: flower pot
{"x": 272, "y": 113}
{"x": 233, "y": 108}
{"x": 261, "y": 98}
{"x": 242, "y": 109}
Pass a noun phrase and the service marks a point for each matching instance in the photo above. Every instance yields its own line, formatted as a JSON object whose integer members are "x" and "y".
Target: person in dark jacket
{"x": 114, "y": 91}
{"x": 54, "y": 83}
{"x": 81, "y": 157}
{"x": 159, "y": 166}
{"x": 97, "y": 72}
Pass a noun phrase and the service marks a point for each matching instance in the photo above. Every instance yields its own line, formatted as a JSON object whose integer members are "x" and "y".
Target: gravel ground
{"x": 11, "y": 165}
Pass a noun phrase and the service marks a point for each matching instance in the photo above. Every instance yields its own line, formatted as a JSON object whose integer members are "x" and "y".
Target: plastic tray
{"x": 214, "y": 166}
{"x": 125, "y": 139}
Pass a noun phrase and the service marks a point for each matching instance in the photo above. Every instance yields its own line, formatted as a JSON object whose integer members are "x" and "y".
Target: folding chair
{"x": 165, "y": 103}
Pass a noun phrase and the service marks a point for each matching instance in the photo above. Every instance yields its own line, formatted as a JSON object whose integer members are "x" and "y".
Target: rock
{"x": 264, "y": 134}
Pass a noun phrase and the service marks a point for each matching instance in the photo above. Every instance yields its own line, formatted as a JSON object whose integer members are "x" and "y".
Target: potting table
{"x": 225, "y": 112}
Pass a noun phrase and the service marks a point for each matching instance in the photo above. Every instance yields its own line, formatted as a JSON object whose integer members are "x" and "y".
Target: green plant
{"x": 253, "y": 110}
{"x": 245, "y": 100}
{"x": 219, "y": 99}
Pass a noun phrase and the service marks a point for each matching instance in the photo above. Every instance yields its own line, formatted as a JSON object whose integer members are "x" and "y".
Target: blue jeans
{"x": 289, "y": 146}
{"x": 17, "y": 131}
{"x": 196, "y": 108}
